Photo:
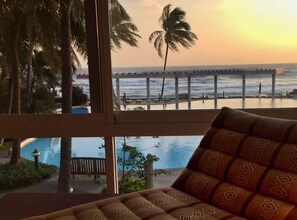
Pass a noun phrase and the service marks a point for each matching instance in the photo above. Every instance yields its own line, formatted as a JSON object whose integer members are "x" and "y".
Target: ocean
{"x": 230, "y": 85}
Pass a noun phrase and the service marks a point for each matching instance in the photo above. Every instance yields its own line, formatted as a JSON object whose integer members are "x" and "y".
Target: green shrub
{"x": 23, "y": 174}
{"x": 128, "y": 184}
{"x": 6, "y": 145}
{"x": 131, "y": 184}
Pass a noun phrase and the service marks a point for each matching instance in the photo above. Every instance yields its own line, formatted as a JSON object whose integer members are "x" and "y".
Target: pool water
{"x": 174, "y": 152}
{"x": 80, "y": 110}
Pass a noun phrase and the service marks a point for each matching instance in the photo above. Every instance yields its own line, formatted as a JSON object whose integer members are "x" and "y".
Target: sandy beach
{"x": 251, "y": 102}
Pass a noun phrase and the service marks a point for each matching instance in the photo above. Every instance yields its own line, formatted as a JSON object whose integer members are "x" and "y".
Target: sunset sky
{"x": 229, "y": 32}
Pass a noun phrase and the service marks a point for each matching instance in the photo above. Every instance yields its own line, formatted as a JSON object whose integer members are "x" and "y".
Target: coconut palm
{"x": 40, "y": 22}
{"x": 10, "y": 23}
{"x": 17, "y": 19}
{"x": 176, "y": 32}
{"x": 66, "y": 69}
{"x": 51, "y": 26}
{"x": 121, "y": 27}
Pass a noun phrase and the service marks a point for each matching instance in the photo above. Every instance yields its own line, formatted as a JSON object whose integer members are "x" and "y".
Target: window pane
{"x": 239, "y": 60}
{"x": 31, "y": 78}
{"x": 171, "y": 154}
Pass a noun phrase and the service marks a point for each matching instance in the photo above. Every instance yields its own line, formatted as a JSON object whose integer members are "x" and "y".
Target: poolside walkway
{"x": 86, "y": 184}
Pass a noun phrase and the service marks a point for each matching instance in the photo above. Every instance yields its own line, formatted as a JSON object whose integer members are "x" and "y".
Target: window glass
{"x": 243, "y": 56}
{"x": 169, "y": 156}
{"x": 31, "y": 78}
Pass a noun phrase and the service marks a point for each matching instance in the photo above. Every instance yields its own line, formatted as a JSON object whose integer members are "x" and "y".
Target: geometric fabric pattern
{"x": 155, "y": 204}
{"x": 245, "y": 167}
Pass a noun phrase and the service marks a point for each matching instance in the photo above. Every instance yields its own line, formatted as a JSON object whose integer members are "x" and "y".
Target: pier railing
{"x": 189, "y": 74}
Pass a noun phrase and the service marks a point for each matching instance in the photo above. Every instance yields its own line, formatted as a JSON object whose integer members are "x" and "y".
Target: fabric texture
{"x": 244, "y": 168}
{"x": 246, "y": 165}
{"x": 155, "y": 204}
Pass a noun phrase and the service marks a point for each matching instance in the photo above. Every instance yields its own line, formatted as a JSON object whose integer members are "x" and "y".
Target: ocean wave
{"x": 229, "y": 84}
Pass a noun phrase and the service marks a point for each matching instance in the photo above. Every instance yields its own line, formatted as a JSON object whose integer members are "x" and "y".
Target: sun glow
{"x": 229, "y": 32}
{"x": 265, "y": 22}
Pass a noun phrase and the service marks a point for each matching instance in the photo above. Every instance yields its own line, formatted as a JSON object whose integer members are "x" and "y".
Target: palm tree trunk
{"x": 32, "y": 85}
{"x": 10, "y": 95}
{"x": 28, "y": 80}
{"x": 163, "y": 82}
{"x": 9, "y": 102}
{"x": 16, "y": 82}
{"x": 65, "y": 162}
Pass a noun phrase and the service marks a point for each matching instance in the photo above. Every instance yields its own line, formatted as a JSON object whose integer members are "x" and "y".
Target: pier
{"x": 189, "y": 74}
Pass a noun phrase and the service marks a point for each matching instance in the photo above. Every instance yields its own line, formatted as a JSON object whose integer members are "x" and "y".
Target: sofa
{"x": 244, "y": 168}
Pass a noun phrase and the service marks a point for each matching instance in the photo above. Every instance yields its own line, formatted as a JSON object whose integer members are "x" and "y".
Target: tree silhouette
{"x": 175, "y": 32}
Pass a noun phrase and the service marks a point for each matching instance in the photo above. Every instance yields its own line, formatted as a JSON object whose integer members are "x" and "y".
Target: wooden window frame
{"x": 103, "y": 121}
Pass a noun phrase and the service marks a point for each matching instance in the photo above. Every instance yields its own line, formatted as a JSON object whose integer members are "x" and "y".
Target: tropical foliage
{"x": 175, "y": 32}
{"x": 23, "y": 174}
{"x": 78, "y": 97}
{"x": 38, "y": 42}
{"x": 134, "y": 169}
{"x": 121, "y": 27}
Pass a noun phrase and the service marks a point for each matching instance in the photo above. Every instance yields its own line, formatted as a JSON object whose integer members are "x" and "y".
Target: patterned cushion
{"x": 244, "y": 168}
{"x": 154, "y": 204}
{"x": 246, "y": 165}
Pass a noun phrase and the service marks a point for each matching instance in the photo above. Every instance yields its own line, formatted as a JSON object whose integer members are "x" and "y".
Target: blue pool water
{"x": 174, "y": 152}
{"x": 80, "y": 110}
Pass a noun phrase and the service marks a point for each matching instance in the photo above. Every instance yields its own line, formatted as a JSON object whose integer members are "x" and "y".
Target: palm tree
{"x": 17, "y": 18}
{"x": 176, "y": 32}
{"x": 11, "y": 25}
{"x": 66, "y": 69}
{"x": 44, "y": 24}
{"x": 121, "y": 27}
{"x": 40, "y": 24}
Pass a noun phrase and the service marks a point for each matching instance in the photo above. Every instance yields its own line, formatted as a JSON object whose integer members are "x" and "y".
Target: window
{"x": 237, "y": 40}
{"x": 104, "y": 121}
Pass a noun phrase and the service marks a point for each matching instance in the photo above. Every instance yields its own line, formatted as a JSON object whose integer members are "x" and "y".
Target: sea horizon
{"x": 229, "y": 85}
{"x": 160, "y": 68}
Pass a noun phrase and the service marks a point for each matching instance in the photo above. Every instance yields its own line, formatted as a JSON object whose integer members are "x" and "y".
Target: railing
{"x": 88, "y": 166}
{"x": 193, "y": 73}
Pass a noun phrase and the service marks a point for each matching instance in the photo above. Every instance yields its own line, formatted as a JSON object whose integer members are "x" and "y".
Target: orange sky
{"x": 229, "y": 32}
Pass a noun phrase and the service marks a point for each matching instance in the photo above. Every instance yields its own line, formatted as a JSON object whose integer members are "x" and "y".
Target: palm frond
{"x": 165, "y": 14}
{"x": 154, "y": 35}
{"x": 122, "y": 28}
{"x": 158, "y": 44}
{"x": 176, "y": 31}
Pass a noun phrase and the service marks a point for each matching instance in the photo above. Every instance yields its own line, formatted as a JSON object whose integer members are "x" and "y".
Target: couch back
{"x": 247, "y": 165}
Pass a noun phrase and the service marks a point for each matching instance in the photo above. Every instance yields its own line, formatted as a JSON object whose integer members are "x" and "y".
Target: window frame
{"x": 103, "y": 121}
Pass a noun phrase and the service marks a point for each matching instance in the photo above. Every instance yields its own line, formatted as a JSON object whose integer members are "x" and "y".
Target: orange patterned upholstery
{"x": 246, "y": 165}
{"x": 244, "y": 168}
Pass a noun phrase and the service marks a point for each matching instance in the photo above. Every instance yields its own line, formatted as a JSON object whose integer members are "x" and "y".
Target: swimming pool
{"x": 174, "y": 152}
